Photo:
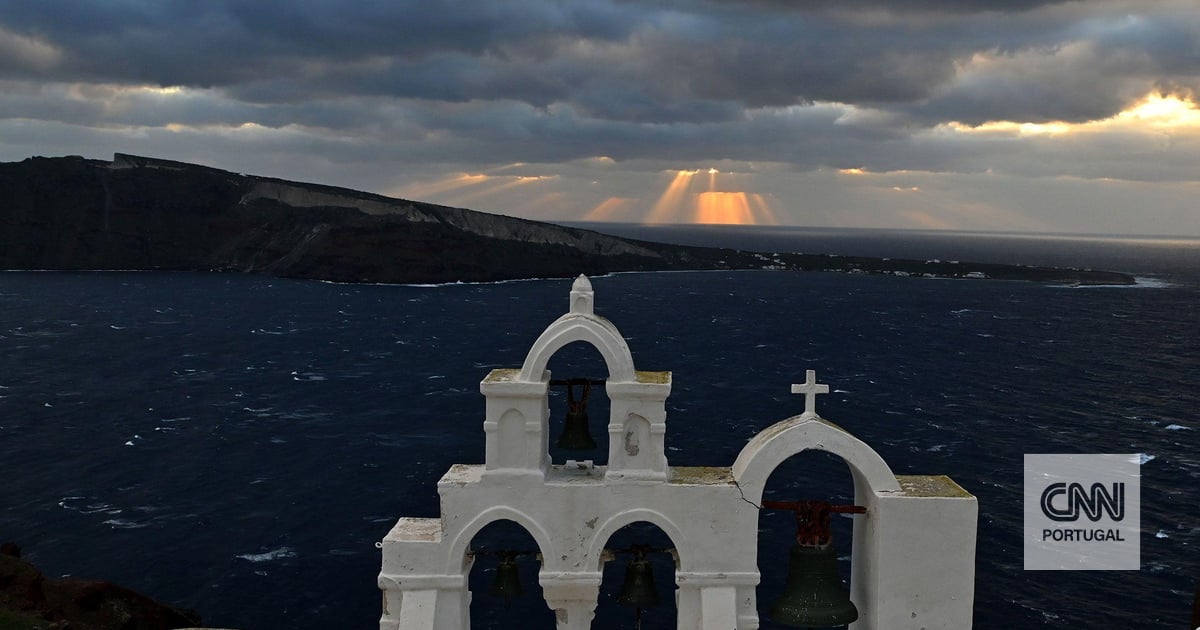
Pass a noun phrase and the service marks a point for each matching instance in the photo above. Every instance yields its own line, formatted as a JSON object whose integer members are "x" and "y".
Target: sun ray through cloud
{"x": 492, "y": 188}
{"x": 670, "y": 205}
{"x": 723, "y": 208}
{"x": 761, "y": 208}
{"x": 611, "y": 209}
{"x": 423, "y": 190}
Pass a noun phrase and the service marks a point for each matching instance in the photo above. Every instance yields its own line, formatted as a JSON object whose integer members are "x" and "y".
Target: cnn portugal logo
{"x": 1064, "y": 502}
{"x": 1082, "y": 512}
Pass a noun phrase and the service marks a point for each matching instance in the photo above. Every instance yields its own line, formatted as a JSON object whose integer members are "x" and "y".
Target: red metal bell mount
{"x": 812, "y": 518}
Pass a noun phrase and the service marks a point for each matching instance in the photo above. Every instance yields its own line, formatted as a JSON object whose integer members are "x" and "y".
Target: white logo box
{"x": 1083, "y": 512}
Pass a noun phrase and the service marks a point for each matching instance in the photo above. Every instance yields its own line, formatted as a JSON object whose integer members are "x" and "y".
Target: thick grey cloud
{"x": 179, "y": 42}
{"x": 654, "y": 62}
{"x": 906, "y": 6}
{"x": 808, "y": 87}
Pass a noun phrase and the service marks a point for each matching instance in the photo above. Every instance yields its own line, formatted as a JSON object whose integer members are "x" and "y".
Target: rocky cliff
{"x": 145, "y": 213}
{"x": 29, "y": 600}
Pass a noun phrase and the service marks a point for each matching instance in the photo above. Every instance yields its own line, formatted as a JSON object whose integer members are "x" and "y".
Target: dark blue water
{"x": 237, "y": 444}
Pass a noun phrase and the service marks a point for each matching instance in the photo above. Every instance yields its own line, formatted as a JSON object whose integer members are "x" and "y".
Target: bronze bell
{"x": 814, "y": 596}
{"x": 575, "y": 435}
{"x": 638, "y": 589}
{"x": 508, "y": 580}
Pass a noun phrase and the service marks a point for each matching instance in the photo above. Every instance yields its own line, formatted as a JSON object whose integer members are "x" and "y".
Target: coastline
{"x": 142, "y": 214}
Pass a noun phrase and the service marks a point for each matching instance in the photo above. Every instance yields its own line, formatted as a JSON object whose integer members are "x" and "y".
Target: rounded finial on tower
{"x": 582, "y": 296}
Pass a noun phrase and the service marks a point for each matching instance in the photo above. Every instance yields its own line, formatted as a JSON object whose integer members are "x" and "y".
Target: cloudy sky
{"x": 1011, "y": 115}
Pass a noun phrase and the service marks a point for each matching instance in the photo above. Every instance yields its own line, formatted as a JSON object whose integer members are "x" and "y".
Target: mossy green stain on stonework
{"x": 660, "y": 378}
{"x": 701, "y": 475}
{"x": 932, "y": 486}
{"x": 503, "y": 375}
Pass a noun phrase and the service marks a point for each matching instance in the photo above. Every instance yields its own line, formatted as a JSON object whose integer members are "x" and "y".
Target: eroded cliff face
{"x": 300, "y": 196}
{"x": 481, "y": 223}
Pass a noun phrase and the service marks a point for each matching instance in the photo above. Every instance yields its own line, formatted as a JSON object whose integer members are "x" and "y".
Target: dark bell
{"x": 575, "y": 436}
{"x": 814, "y": 597}
{"x": 508, "y": 580}
{"x": 638, "y": 589}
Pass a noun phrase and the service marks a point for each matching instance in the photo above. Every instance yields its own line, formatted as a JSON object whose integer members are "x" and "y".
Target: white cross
{"x": 810, "y": 389}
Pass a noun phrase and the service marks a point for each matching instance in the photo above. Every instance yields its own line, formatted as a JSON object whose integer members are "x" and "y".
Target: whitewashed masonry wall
{"x": 913, "y": 556}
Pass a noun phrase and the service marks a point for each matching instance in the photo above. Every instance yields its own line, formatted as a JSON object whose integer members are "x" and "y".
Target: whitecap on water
{"x": 62, "y": 503}
{"x": 268, "y": 556}
{"x": 189, "y": 373}
{"x": 1142, "y": 458}
{"x": 1177, "y": 427}
{"x": 78, "y": 504}
{"x": 1155, "y": 567}
{"x": 1139, "y": 282}
{"x": 120, "y": 523}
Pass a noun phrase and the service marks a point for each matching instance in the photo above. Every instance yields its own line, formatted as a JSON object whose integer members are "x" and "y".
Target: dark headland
{"x": 31, "y": 600}
{"x": 140, "y": 213}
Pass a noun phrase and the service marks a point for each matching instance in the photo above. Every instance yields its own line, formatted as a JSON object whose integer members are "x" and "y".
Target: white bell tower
{"x": 913, "y": 556}
{"x": 517, "y": 423}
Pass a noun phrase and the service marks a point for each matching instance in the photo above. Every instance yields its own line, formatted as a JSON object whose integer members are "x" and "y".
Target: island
{"x": 143, "y": 213}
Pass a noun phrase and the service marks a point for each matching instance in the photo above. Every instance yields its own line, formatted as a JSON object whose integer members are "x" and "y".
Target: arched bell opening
{"x": 822, "y": 574}
{"x": 577, "y": 385}
{"x": 638, "y": 582}
{"x": 505, "y": 591}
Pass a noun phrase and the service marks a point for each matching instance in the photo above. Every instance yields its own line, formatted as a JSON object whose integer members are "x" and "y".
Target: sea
{"x": 238, "y": 444}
